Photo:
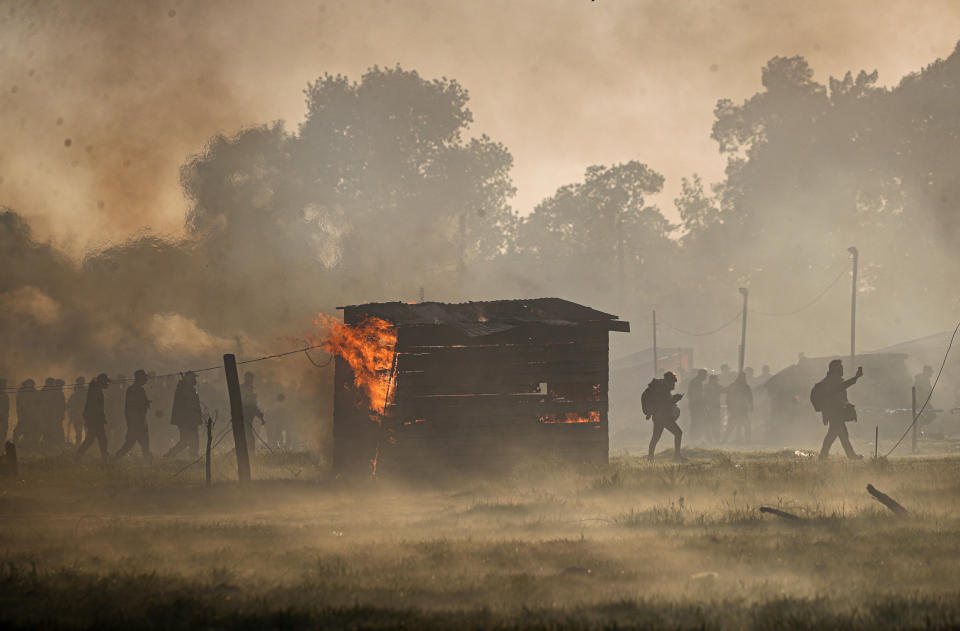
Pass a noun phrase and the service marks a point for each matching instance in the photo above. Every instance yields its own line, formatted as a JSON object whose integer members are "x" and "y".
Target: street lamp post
{"x": 743, "y": 329}
{"x": 853, "y": 307}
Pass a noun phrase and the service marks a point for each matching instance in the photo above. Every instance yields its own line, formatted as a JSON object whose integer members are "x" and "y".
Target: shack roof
{"x": 485, "y": 318}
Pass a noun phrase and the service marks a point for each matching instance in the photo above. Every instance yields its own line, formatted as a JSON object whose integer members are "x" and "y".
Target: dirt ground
{"x": 549, "y": 545}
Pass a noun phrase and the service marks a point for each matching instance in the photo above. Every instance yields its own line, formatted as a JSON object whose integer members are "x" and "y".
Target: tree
{"x": 365, "y": 200}
{"x": 600, "y": 235}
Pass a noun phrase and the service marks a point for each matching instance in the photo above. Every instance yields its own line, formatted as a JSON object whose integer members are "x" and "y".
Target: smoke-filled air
{"x": 541, "y": 314}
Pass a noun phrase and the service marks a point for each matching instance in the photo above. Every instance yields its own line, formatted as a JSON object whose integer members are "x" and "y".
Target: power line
{"x": 703, "y": 333}
{"x": 807, "y": 305}
{"x": 934, "y": 387}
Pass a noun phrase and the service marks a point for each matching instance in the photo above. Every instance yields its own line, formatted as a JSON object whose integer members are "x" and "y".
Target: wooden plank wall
{"x": 476, "y": 403}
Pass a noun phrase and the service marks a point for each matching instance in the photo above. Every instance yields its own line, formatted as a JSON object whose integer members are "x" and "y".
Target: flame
{"x": 571, "y": 417}
{"x": 369, "y": 348}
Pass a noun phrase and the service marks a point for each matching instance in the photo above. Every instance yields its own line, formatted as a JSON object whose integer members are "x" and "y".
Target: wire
{"x": 329, "y": 359}
{"x": 701, "y": 334}
{"x": 15, "y": 389}
{"x": 807, "y": 305}
{"x": 296, "y": 472}
{"x": 934, "y": 387}
{"x": 200, "y": 459}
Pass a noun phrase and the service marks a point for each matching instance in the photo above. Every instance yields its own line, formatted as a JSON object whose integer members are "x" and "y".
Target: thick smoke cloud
{"x": 144, "y": 84}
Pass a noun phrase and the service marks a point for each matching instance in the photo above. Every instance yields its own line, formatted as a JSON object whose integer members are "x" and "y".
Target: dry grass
{"x": 677, "y": 546}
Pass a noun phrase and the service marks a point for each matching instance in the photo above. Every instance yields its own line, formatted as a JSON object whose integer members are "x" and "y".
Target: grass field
{"x": 629, "y": 544}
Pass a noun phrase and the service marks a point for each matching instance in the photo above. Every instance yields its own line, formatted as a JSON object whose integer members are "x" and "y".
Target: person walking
{"x": 739, "y": 409}
{"x": 135, "y": 408}
{"x": 27, "y": 432}
{"x": 660, "y": 404}
{"x": 187, "y": 416}
{"x": 95, "y": 418}
{"x": 829, "y": 397}
{"x": 75, "y": 410}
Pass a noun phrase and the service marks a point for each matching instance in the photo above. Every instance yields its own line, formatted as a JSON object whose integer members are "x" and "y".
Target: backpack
{"x": 816, "y": 397}
{"x": 648, "y": 400}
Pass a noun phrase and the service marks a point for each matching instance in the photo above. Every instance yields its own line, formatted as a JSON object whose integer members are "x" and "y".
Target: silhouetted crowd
{"x": 104, "y": 413}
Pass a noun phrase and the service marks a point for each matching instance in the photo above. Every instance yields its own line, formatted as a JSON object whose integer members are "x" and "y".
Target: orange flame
{"x": 369, "y": 348}
{"x": 571, "y": 417}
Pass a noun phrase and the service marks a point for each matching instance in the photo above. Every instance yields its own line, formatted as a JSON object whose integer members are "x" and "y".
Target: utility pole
{"x": 461, "y": 260}
{"x": 236, "y": 418}
{"x": 743, "y": 329}
{"x": 853, "y": 308}
{"x": 620, "y": 275}
{"x": 655, "y": 372}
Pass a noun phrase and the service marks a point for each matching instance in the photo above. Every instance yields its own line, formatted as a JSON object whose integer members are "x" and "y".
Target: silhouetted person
{"x": 27, "y": 432}
{"x": 47, "y": 411}
{"x": 764, "y": 374}
{"x": 135, "y": 406}
{"x": 95, "y": 417}
{"x": 924, "y": 387}
{"x": 4, "y": 411}
{"x": 726, "y": 375}
{"x": 113, "y": 407}
{"x": 696, "y": 405}
{"x": 55, "y": 408}
{"x": 712, "y": 408}
{"x": 762, "y": 399}
{"x": 251, "y": 409}
{"x": 187, "y": 416}
{"x": 739, "y": 409}
{"x": 830, "y": 396}
{"x": 75, "y": 410}
{"x": 664, "y": 412}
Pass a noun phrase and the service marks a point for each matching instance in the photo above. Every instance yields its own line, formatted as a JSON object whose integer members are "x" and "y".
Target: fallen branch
{"x": 779, "y": 513}
{"x": 886, "y": 500}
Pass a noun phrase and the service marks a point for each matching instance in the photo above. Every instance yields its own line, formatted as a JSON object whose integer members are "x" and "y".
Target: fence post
{"x": 236, "y": 418}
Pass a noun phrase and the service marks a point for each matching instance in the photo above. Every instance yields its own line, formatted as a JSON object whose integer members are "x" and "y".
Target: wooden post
{"x": 236, "y": 418}
{"x": 743, "y": 331}
{"x": 209, "y": 447}
{"x": 886, "y": 500}
{"x": 913, "y": 406}
{"x": 655, "y": 371}
{"x": 876, "y": 442}
{"x": 853, "y": 308}
{"x": 11, "y": 459}
{"x": 778, "y": 513}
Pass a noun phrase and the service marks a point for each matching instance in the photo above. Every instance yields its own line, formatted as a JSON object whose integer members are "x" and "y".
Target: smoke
{"x": 136, "y": 87}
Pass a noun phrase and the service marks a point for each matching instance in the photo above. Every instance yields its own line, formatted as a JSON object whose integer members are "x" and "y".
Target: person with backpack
{"x": 829, "y": 397}
{"x": 660, "y": 403}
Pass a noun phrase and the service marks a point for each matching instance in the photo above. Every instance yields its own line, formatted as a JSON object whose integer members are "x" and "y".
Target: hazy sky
{"x": 102, "y": 102}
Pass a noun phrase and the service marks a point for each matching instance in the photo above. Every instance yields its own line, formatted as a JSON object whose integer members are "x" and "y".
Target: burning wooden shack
{"x": 432, "y": 386}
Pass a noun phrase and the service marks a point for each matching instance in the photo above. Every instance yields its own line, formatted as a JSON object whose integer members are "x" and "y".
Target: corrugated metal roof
{"x": 484, "y": 318}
